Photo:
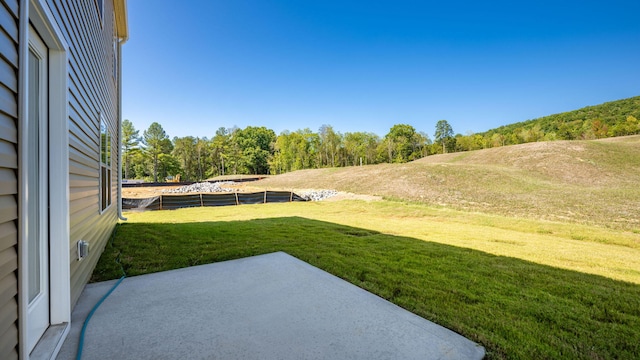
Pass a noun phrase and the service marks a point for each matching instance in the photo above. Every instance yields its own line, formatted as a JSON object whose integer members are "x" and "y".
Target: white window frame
{"x": 100, "y": 8}
{"x": 38, "y": 14}
{"x": 105, "y": 166}
{"x": 116, "y": 40}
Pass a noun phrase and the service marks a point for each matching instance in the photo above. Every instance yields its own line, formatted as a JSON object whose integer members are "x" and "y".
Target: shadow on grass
{"x": 516, "y": 309}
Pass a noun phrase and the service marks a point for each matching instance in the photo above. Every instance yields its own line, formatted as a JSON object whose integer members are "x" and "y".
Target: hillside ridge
{"x": 583, "y": 181}
{"x": 609, "y": 119}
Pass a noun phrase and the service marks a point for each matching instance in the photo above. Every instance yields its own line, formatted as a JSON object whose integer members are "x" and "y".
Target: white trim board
{"x": 37, "y": 12}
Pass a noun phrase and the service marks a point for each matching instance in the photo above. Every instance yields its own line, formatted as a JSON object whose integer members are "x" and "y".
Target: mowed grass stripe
{"x": 594, "y": 250}
{"x": 514, "y": 307}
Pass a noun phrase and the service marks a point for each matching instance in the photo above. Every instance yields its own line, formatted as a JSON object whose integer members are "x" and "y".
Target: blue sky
{"x": 194, "y": 66}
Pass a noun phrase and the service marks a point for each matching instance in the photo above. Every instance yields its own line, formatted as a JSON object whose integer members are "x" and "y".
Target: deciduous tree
{"x": 256, "y": 144}
{"x": 184, "y": 151}
{"x": 401, "y": 143}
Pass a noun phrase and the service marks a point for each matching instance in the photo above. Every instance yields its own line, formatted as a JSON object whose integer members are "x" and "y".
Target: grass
{"x": 522, "y": 288}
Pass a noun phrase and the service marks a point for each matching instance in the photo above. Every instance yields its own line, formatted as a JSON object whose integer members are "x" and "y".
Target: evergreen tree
{"x": 156, "y": 142}
{"x": 130, "y": 141}
{"x": 443, "y": 133}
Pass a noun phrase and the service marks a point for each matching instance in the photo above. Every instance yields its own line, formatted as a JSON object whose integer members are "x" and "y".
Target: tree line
{"x": 610, "y": 119}
{"x": 153, "y": 156}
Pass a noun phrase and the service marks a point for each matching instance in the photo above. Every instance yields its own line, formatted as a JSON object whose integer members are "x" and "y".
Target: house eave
{"x": 120, "y": 11}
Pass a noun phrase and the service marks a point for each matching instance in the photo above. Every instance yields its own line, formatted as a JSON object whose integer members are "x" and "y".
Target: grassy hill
{"x": 590, "y": 182}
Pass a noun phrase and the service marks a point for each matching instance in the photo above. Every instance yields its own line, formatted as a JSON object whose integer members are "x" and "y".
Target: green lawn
{"x": 521, "y": 288}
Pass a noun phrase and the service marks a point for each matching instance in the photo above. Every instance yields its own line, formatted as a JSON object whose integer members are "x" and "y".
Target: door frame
{"x": 37, "y": 13}
{"x": 37, "y": 188}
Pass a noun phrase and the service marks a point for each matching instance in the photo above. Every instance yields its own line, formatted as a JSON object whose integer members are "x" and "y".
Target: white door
{"x": 37, "y": 199}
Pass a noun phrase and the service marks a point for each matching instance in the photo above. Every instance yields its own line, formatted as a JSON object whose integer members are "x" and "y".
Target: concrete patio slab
{"x": 271, "y": 306}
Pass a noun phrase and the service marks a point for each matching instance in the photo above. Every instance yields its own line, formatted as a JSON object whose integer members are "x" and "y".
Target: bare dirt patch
{"x": 144, "y": 192}
{"x": 351, "y": 196}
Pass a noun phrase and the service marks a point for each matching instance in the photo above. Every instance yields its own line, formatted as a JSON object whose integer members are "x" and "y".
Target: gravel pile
{"x": 318, "y": 195}
{"x": 203, "y": 187}
{"x": 207, "y": 187}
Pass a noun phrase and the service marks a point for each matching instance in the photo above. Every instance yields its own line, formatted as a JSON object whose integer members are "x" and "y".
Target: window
{"x": 115, "y": 50}
{"x": 105, "y": 165}
{"x": 100, "y": 6}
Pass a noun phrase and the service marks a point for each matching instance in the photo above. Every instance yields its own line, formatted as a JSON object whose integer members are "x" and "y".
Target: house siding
{"x": 92, "y": 96}
{"x": 92, "y": 91}
{"x": 8, "y": 179}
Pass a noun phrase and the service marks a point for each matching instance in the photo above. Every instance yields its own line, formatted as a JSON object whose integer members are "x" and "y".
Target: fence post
{"x": 201, "y": 202}
{"x": 237, "y": 202}
{"x": 265, "y": 196}
{"x": 160, "y": 202}
{"x": 291, "y": 196}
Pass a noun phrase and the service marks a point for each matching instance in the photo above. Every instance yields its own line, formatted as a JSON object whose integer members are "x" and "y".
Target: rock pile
{"x": 318, "y": 195}
{"x": 217, "y": 187}
{"x": 203, "y": 187}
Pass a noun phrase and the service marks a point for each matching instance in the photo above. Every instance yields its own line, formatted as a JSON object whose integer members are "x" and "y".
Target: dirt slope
{"x": 596, "y": 182}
